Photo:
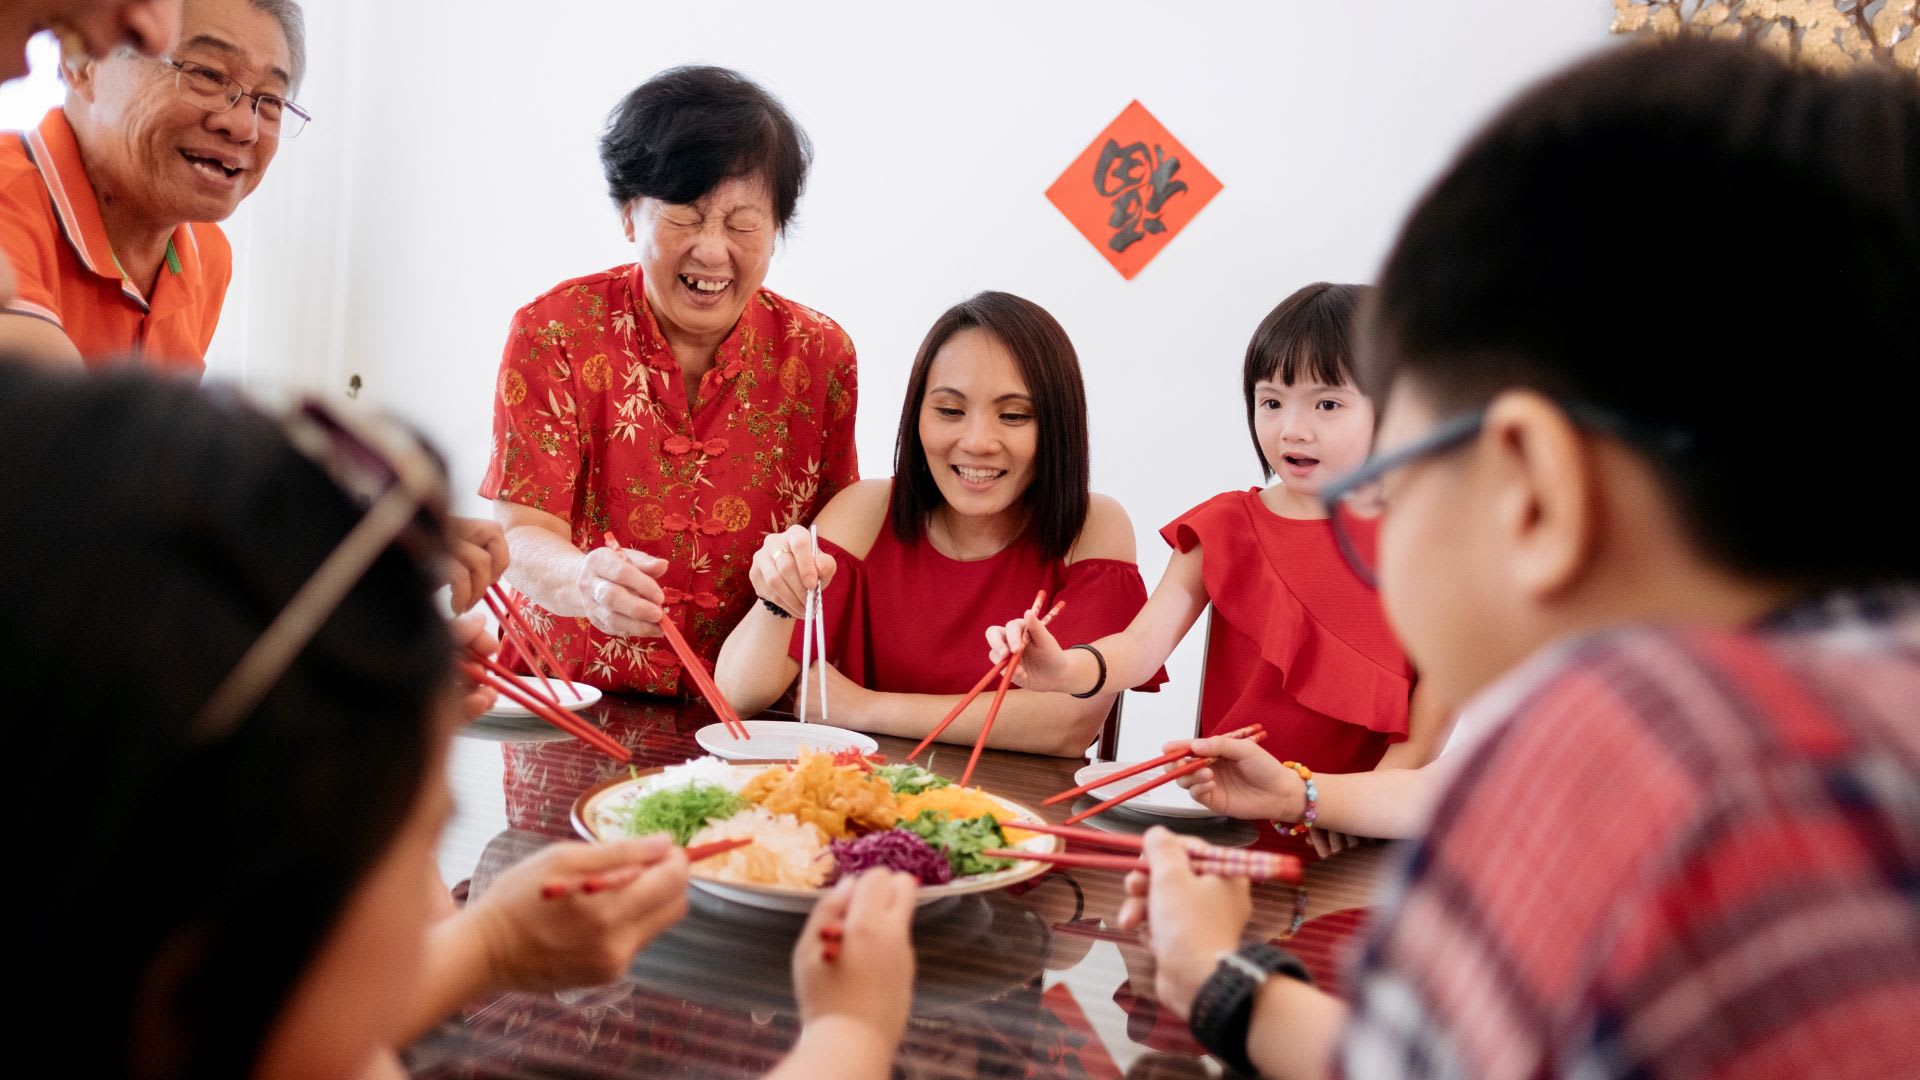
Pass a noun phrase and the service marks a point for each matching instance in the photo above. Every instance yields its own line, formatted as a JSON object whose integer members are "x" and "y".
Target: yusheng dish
{"x": 815, "y": 820}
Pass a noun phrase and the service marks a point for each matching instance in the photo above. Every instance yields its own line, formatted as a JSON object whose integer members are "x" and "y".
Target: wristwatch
{"x": 1223, "y": 1009}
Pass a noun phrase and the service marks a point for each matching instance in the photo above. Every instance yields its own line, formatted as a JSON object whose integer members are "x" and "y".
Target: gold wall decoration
{"x": 1824, "y": 33}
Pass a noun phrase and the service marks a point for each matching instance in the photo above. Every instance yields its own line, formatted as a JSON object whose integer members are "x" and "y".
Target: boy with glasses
{"x": 1687, "y": 842}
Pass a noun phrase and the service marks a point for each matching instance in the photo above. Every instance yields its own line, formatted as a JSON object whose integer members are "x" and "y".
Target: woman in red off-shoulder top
{"x": 988, "y": 506}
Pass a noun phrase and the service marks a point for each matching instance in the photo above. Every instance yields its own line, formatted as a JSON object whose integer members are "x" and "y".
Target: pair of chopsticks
{"x": 515, "y": 630}
{"x": 1004, "y": 669}
{"x": 702, "y": 678}
{"x": 1252, "y": 732}
{"x": 484, "y": 670}
{"x": 813, "y": 643}
{"x": 1207, "y": 858}
{"x": 594, "y": 883}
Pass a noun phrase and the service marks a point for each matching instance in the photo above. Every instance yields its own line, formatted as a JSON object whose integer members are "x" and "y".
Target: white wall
{"x": 451, "y": 175}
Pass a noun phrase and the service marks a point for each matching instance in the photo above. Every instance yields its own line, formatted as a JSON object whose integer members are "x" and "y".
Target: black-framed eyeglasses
{"x": 403, "y": 484}
{"x": 1361, "y": 494}
{"x": 216, "y": 91}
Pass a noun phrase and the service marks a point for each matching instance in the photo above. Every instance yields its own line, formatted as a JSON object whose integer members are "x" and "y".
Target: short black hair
{"x": 1309, "y": 335}
{"x": 1698, "y": 237}
{"x": 1056, "y": 502}
{"x": 678, "y": 135}
{"x": 244, "y": 846}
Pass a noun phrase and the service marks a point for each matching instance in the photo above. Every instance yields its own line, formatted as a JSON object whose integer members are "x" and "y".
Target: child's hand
{"x": 1044, "y": 666}
{"x": 1244, "y": 782}
{"x": 1191, "y": 918}
{"x": 867, "y": 988}
{"x": 585, "y": 938}
{"x": 469, "y": 632}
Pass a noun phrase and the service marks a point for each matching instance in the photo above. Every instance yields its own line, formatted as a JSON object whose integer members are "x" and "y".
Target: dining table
{"x": 1032, "y": 980}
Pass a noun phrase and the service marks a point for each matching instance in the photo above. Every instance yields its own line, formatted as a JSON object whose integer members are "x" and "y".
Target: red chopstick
{"x": 1006, "y": 664}
{"x": 690, "y": 662}
{"x": 1231, "y": 862}
{"x": 530, "y": 643}
{"x": 831, "y": 935}
{"x": 1000, "y": 695}
{"x": 1172, "y": 774}
{"x": 489, "y": 672}
{"x": 1134, "y": 770}
{"x": 554, "y": 890}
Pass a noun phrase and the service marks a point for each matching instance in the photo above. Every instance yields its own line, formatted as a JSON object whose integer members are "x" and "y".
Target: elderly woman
{"x": 987, "y": 505}
{"x": 673, "y": 402}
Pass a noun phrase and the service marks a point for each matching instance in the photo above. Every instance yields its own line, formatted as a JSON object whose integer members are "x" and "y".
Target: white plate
{"x": 1167, "y": 800}
{"x": 506, "y": 707}
{"x": 779, "y": 740}
{"x": 588, "y": 818}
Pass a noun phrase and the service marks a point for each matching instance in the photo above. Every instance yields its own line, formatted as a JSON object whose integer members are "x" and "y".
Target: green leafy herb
{"x": 681, "y": 811}
{"x": 907, "y": 778}
{"x": 961, "y": 841}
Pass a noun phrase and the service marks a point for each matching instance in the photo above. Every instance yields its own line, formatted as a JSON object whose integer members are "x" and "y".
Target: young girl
{"x": 1298, "y": 642}
{"x": 988, "y": 505}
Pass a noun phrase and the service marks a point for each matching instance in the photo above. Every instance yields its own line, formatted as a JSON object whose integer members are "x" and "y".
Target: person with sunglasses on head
{"x": 108, "y": 207}
{"x": 1686, "y": 840}
{"x": 243, "y": 880}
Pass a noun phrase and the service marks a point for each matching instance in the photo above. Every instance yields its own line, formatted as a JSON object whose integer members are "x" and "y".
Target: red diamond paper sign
{"x": 1133, "y": 189}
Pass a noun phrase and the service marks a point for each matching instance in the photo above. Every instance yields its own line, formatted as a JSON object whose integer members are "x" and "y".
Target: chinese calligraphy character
{"x": 1122, "y": 174}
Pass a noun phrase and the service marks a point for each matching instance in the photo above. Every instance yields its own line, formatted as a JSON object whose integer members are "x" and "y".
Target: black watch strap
{"x": 1223, "y": 1009}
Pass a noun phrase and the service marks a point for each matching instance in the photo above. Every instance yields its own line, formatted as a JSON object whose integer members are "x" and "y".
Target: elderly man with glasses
{"x": 107, "y": 208}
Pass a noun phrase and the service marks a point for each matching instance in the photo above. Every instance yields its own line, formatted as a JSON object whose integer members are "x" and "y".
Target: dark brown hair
{"x": 1309, "y": 335}
{"x": 1056, "y": 501}
{"x": 681, "y": 133}
{"x": 1690, "y": 235}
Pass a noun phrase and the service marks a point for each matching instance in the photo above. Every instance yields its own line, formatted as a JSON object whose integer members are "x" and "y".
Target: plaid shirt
{"x": 1684, "y": 855}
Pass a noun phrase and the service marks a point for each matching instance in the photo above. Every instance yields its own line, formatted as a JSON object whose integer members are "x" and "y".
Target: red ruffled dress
{"x": 1298, "y": 642}
{"x": 907, "y": 619}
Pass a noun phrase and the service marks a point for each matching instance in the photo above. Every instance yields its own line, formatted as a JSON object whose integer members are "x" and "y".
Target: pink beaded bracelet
{"x": 1299, "y": 828}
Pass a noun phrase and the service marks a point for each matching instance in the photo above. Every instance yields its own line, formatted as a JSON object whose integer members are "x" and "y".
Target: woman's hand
{"x": 1044, "y": 665}
{"x": 470, "y": 635}
{"x": 585, "y": 938}
{"x": 868, "y": 986}
{"x": 621, "y": 591}
{"x": 787, "y": 567}
{"x": 479, "y": 550}
{"x": 1191, "y": 919}
{"x": 1245, "y": 781}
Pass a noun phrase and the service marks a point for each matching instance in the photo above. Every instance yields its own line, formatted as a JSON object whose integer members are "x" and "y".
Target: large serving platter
{"x": 594, "y": 818}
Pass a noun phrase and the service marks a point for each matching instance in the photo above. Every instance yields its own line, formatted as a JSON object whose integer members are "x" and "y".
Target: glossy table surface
{"x": 1030, "y": 981}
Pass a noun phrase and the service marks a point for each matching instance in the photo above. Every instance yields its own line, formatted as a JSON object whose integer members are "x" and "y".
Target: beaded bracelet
{"x": 775, "y": 608}
{"x": 1299, "y": 828}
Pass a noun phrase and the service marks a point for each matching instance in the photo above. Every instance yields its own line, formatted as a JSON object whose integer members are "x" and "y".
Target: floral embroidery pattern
{"x": 592, "y": 424}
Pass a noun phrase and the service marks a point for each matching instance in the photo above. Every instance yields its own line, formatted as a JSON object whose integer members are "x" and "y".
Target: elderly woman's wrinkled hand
{"x": 621, "y": 591}
{"x": 787, "y": 566}
{"x": 1191, "y": 919}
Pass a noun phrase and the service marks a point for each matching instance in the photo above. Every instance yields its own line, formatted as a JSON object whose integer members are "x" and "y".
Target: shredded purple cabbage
{"x": 894, "y": 848}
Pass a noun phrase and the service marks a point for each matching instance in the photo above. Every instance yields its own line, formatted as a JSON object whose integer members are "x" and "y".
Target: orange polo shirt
{"x": 51, "y": 230}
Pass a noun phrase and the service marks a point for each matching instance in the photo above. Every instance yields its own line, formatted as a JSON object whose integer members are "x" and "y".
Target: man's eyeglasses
{"x": 404, "y": 486}
{"x": 1361, "y": 494}
{"x": 216, "y": 91}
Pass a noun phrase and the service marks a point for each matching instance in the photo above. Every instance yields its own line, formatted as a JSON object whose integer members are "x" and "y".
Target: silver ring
{"x": 600, "y": 593}
{"x": 778, "y": 555}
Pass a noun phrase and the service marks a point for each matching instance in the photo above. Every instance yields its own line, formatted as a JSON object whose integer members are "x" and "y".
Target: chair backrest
{"x": 1107, "y": 746}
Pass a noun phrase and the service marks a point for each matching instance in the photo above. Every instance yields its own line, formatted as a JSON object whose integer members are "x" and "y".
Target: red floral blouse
{"x": 592, "y": 423}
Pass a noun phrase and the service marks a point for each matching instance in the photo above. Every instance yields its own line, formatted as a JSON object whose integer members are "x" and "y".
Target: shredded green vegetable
{"x": 907, "y": 778}
{"x": 681, "y": 811}
{"x": 962, "y": 841}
